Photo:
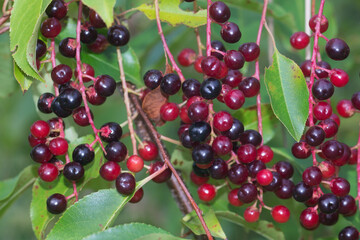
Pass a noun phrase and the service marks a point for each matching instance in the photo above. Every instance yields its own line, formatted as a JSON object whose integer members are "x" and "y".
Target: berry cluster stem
{"x": 208, "y": 29}
{"x": 166, "y": 47}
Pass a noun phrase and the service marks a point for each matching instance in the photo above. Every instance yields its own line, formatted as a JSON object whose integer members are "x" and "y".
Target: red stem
{"x": 208, "y": 29}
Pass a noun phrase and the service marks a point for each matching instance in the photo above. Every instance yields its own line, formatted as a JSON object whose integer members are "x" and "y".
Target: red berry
{"x": 40, "y": 129}
{"x": 87, "y": 70}
{"x": 198, "y": 180}
{"x": 234, "y": 99}
{"x": 353, "y": 157}
{"x": 264, "y": 177}
{"x": 211, "y": 66}
{"x": 162, "y": 177}
{"x": 251, "y": 214}
{"x": 265, "y": 154}
{"x": 80, "y": 116}
{"x": 309, "y": 219}
{"x": 223, "y": 121}
{"x": 222, "y": 145}
{"x": 197, "y": 64}
{"x": 33, "y": 141}
{"x": 184, "y": 114}
{"x": 187, "y": 57}
{"x": 322, "y": 110}
{"x": 250, "y": 51}
{"x": 345, "y": 108}
{"x": 206, "y": 192}
{"x": 223, "y": 71}
{"x": 169, "y": 111}
{"x": 233, "y": 198}
{"x": 137, "y": 196}
{"x": 340, "y": 186}
{"x": 335, "y": 118}
{"x": 48, "y": 172}
{"x": 110, "y": 171}
{"x": 148, "y": 150}
{"x": 327, "y": 169}
{"x": 280, "y": 214}
{"x": 50, "y": 28}
{"x": 299, "y": 40}
{"x": 135, "y": 163}
{"x": 324, "y": 24}
{"x": 246, "y": 153}
{"x": 58, "y": 146}
{"x": 339, "y": 77}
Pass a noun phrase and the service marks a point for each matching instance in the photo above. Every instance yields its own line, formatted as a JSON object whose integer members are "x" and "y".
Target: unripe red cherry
{"x": 324, "y": 23}
{"x": 110, "y": 171}
{"x": 40, "y": 129}
{"x": 327, "y": 169}
{"x": 299, "y": 40}
{"x": 48, "y": 172}
{"x": 148, "y": 150}
{"x": 234, "y": 99}
{"x": 186, "y": 57}
{"x": 169, "y": 111}
{"x": 251, "y": 214}
{"x": 206, "y": 192}
{"x": 58, "y": 146}
{"x": 223, "y": 121}
{"x": 345, "y": 108}
{"x": 280, "y": 214}
{"x": 322, "y": 110}
{"x": 135, "y": 163}
{"x": 340, "y": 186}
{"x": 234, "y": 199}
{"x": 339, "y": 77}
{"x": 265, "y": 154}
{"x": 309, "y": 219}
{"x": 198, "y": 180}
{"x": 264, "y": 177}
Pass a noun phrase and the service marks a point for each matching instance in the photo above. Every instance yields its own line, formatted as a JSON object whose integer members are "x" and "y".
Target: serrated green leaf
{"x": 12, "y": 188}
{"x": 288, "y": 93}
{"x": 104, "y": 8}
{"x": 24, "y": 80}
{"x": 170, "y": 12}
{"x": 182, "y": 160}
{"x": 248, "y": 116}
{"x": 40, "y": 217}
{"x": 24, "y": 26}
{"x": 133, "y": 231}
{"x": 262, "y": 227}
{"x": 7, "y": 83}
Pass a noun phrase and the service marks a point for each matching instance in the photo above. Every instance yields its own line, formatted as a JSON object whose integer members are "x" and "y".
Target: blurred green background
{"x": 18, "y": 110}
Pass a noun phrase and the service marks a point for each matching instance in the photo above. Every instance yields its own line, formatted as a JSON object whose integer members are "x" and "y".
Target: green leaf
{"x": 104, "y": 8}
{"x": 40, "y": 217}
{"x": 7, "y": 83}
{"x": 192, "y": 221}
{"x": 288, "y": 93}
{"x": 12, "y": 188}
{"x": 262, "y": 227}
{"x": 248, "y": 116}
{"x": 132, "y": 231}
{"x": 24, "y": 80}
{"x": 24, "y": 26}
{"x": 170, "y": 12}
{"x": 182, "y": 160}
{"x": 107, "y": 63}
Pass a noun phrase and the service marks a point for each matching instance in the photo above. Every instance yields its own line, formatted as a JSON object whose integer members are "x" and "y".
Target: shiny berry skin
{"x": 344, "y": 157}
{"x": 309, "y": 219}
{"x": 280, "y": 214}
{"x": 88, "y": 33}
{"x": 275, "y": 183}
{"x": 186, "y": 57}
{"x": 96, "y": 20}
{"x": 322, "y": 73}
{"x": 169, "y": 111}
{"x": 236, "y": 129}
{"x": 105, "y": 85}
{"x": 328, "y": 203}
{"x": 233, "y": 198}
{"x": 346, "y": 204}
{"x": 148, "y": 151}
{"x": 86, "y": 69}
{"x": 99, "y": 45}
{"x": 222, "y": 145}
{"x": 125, "y": 184}
{"x": 299, "y": 40}
{"x": 332, "y": 149}
{"x": 162, "y": 177}
{"x": 61, "y": 74}
{"x": 265, "y": 154}
{"x": 306, "y": 68}
{"x": 339, "y": 77}
{"x": 250, "y": 86}
{"x": 40, "y": 129}
{"x": 137, "y": 196}
{"x": 80, "y": 117}
{"x": 234, "y": 59}
{"x": 219, "y": 46}
{"x": 327, "y": 169}
{"x": 234, "y": 99}
{"x": 250, "y": 51}
{"x": 73, "y": 171}
{"x": 170, "y": 84}
{"x": 70, "y": 99}
{"x": 191, "y": 87}
{"x": 57, "y": 9}
{"x": 50, "y": 28}
{"x": 345, "y": 108}
{"x": 58, "y": 146}
{"x": 41, "y": 49}
{"x": 219, "y": 169}
{"x": 238, "y": 174}
{"x": 312, "y": 176}
{"x": 355, "y": 100}
{"x": 44, "y": 102}
{"x": 219, "y": 12}
{"x": 197, "y": 64}
{"x": 314, "y": 136}
{"x": 206, "y": 192}
{"x": 110, "y": 171}
{"x": 264, "y": 177}
{"x": 110, "y": 131}
{"x": 322, "y": 110}
{"x": 340, "y": 186}
{"x": 251, "y": 214}
{"x": 254, "y": 167}
{"x": 210, "y": 88}
{"x": 335, "y": 118}
{"x": 199, "y": 131}
{"x": 246, "y": 153}
{"x": 337, "y": 49}
{"x": 223, "y": 121}
{"x": 152, "y": 78}
{"x": 200, "y": 172}
{"x": 233, "y": 78}
{"x": 250, "y": 137}
{"x": 198, "y": 180}
{"x": 198, "y": 111}
{"x": 324, "y": 24}
{"x": 328, "y": 219}
{"x": 118, "y": 35}
{"x": 48, "y": 172}
{"x": 323, "y": 89}
{"x": 247, "y": 193}
{"x": 203, "y": 155}
{"x": 285, "y": 190}
{"x": 135, "y": 163}
{"x": 83, "y": 154}
{"x": 230, "y": 32}
{"x": 211, "y": 66}
{"x": 33, "y": 141}
{"x": 93, "y": 97}
{"x": 302, "y": 192}
{"x": 56, "y": 203}
{"x": 353, "y": 157}
{"x": 349, "y": 233}
{"x": 67, "y": 47}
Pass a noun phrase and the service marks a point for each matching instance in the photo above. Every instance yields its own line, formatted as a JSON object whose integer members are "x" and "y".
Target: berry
{"x": 250, "y": 137}
{"x": 246, "y": 153}
{"x": 219, "y": 12}
{"x": 344, "y": 157}
{"x": 280, "y": 214}
{"x": 349, "y": 233}
{"x": 206, "y": 192}
{"x": 83, "y": 154}
{"x": 110, "y": 132}
{"x": 40, "y": 49}
{"x": 118, "y": 35}
{"x": 48, "y": 172}
{"x": 116, "y": 151}
{"x": 137, "y": 196}
{"x": 324, "y": 23}
{"x": 222, "y": 121}
{"x": 73, "y": 171}
{"x": 105, "y": 85}
{"x": 328, "y": 203}
{"x": 50, "y": 28}
{"x": 332, "y": 149}
{"x": 339, "y": 77}
{"x": 200, "y": 172}
{"x": 70, "y": 99}
{"x": 199, "y": 131}
{"x": 312, "y": 176}
{"x": 299, "y": 40}
{"x": 99, "y": 45}
{"x": 355, "y": 100}
{"x": 302, "y": 192}
{"x": 247, "y": 193}
{"x": 327, "y": 169}
{"x": 285, "y": 190}
{"x": 80, "y": 117}
{"x": 275, "y": 183}
{"x": 55, "y": 126}
{"x": 191, "y": 87}
{"x": 148, "y": 151}
{"x": 222, "y": 145}
{"x": 340, "y": 187}
{"x": 330, "y": 127}
{"x": 162, "y": 177}
{"x": 323, "y": 89}
{"x": 170, "y": 84}
{"x": 250, "y": 86}
{"x": 322, "y": 110}
{"x": 198, "y": 111}
{"x": 322, "y": 73}
{"x": 33, "y": 141}
{"x": 353, "y": 157}
{"x": 41, "y": 153}
{"x": 211, "y": 66}
{"x": 203, "y": 155}
{"x": 346, "y": 204}
{"x": 57, "y": 9}
{"x": 40, "y": 129}
{"x": 61, "y": 74}
{"x": 236, "y": 129}
{"x": 306, "y": 68}
{"x": 309, "y": 219}
{"x": 337, "y": 49}
{"x": 110, "y": 171}
{"x": 314, "y": 136}
{"x": 301, "y": 150}
{"x": 233, "y": 78}
{"x": 86, "y": 69}
{"x": 169, "y": 111}
{"x": 234, "y": 59}
{"x": 255, "y": 167}
{"x": 219, "y": 169}
{"x": 251, "y": 214}
{"x": 198, "y": 180}
{"x": 186, "y": 140}
{"x": 56, "y": 203}
{"x": 265, "y": 154}
{"x": 152, "y": 78}
{"x": 233, "y": 198}
{"x": 335, "y": 118}
{"x": 58, "y": 146}
{"x": 135, "y": 163}
{"x": 219, "y": 46}
{"x": 96, "y": 20}
{"x": 238, "y": 174}
{"x": 264, "y": 177}
{"x": 93, "y": 97}
{"x": 125, "y": 184}
{"x": 230, "y": 32}
{"x": 197, "y": 64}
{"x": 88, "y": 33}
{"x": 328, "y": 219}
{"x": 345, "y": 108}
{"x": 234, "y": 99}
{"x": 186, "y": 57}
{"x": 250, "y": 51}
{"x": 210, "y": 88}
{"x": 44, "y": 102}
{"x": 67, "y": 47}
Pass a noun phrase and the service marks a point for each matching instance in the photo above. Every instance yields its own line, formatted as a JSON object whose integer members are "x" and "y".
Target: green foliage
{"x": 8, "y": 85}
{"x": 104, "y": 8}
